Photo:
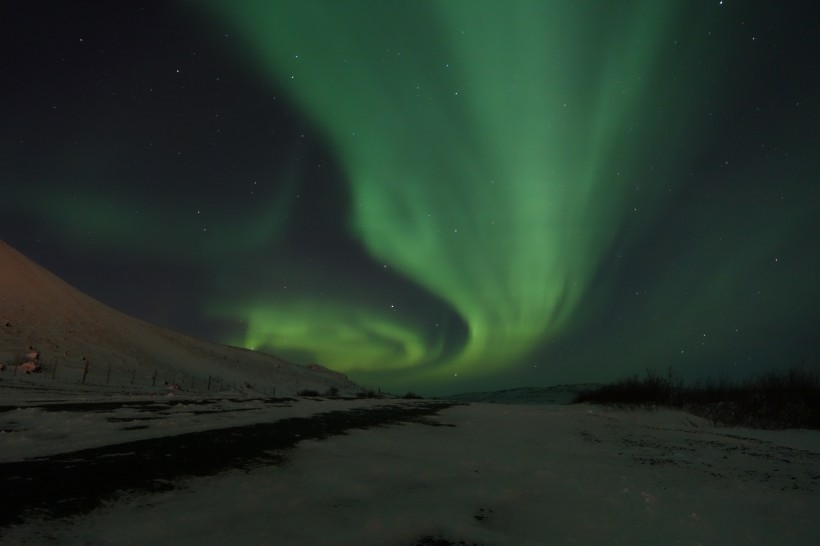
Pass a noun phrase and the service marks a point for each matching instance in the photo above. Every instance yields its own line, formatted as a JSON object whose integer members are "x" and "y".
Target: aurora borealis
{"x": 441, "y": 196}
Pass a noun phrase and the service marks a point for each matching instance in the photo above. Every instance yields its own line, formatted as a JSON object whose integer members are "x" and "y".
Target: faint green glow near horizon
{"x": 480, "y": 143}
{"x": 335, "y": 329}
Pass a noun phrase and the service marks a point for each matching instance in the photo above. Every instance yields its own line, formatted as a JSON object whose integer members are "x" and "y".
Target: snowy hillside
{"x": 80, "y": 340}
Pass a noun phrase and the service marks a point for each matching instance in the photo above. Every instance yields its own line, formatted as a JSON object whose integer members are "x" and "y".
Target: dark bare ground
{"x": 76, "y": 483}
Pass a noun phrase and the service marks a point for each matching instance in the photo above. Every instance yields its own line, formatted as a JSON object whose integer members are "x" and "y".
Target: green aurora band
{"x": 491, "y": 150}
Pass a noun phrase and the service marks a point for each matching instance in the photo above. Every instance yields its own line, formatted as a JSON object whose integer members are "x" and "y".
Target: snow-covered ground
{"x": 556, "y": 394}
{"x": 47, "y": 428}
{"x": 478, "y": 474}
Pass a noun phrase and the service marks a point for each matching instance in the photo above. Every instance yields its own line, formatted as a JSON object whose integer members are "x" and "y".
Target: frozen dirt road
{"x": 487, "y": 475}
{"x": 76, "y": 482}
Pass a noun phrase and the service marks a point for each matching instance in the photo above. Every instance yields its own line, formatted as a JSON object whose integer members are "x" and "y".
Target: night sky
{"x": 440, "y": 196}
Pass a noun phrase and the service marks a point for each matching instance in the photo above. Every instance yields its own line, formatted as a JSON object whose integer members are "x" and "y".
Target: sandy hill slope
{"x": 76, "y": 335}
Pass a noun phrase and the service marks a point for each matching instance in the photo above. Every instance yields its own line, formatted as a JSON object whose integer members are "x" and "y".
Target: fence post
{"x": 54, "y": 370}
{"x": 108, "y": 376}
{"x": 209, "y": 383}
{"x": 85, "y": 370}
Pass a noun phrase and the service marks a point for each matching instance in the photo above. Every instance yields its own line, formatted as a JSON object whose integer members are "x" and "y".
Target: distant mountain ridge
{"x": 556, "y": 394}
{"x": 76, "y": 334}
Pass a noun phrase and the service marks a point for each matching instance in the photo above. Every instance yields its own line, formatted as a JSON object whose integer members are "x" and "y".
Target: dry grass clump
{"x": 778, "y": 399}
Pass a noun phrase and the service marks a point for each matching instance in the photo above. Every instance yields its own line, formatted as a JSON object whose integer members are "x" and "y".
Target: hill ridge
{"x": 74, "y": 332}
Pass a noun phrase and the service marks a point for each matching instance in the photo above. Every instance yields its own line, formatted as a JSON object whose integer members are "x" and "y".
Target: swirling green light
{"x": 482, "y": 142}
